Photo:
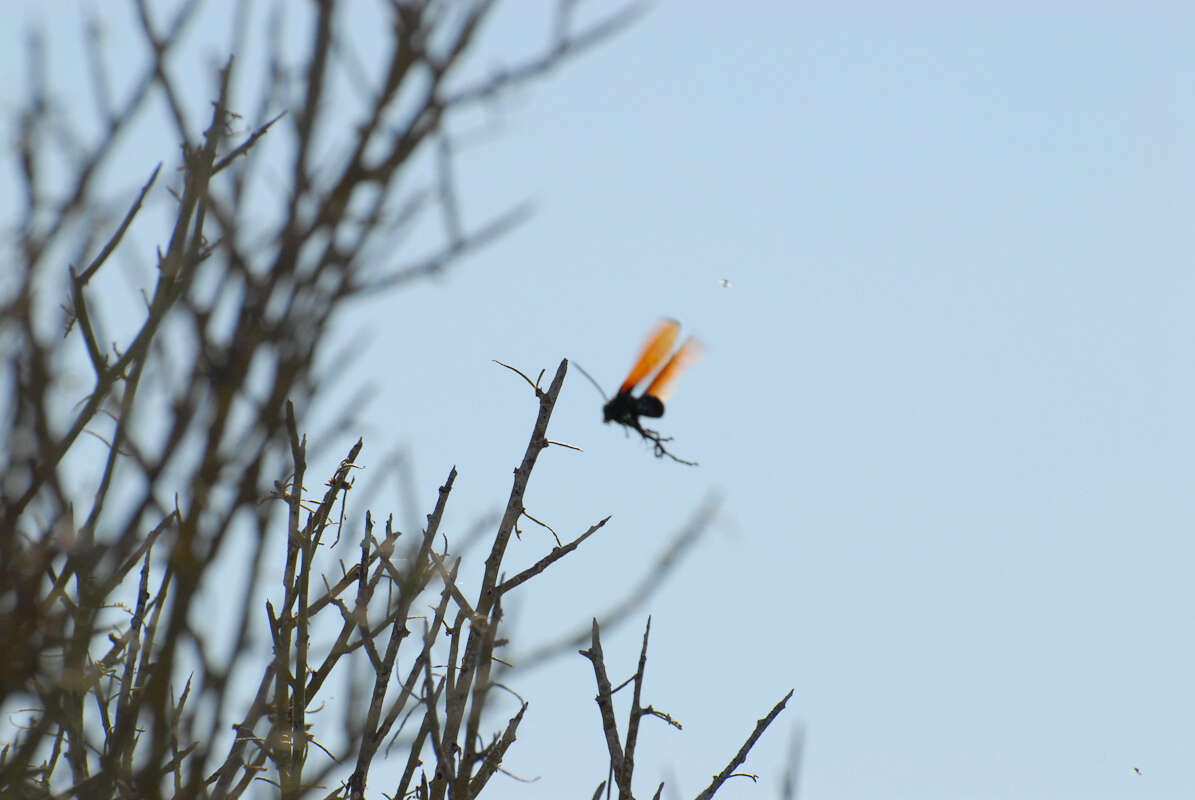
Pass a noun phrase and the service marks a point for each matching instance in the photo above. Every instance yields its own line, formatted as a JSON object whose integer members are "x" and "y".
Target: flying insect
{"x": 626, "y": 408}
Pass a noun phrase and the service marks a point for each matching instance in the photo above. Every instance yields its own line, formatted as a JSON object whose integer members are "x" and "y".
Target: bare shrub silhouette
{"x": 112, "y": 676}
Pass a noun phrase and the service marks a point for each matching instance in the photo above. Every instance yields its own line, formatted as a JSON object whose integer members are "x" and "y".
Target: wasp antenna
{"x": 596, "y": 385}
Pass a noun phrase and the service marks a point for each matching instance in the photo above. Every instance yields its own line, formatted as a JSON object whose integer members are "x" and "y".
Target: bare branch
{"x": 112, "y": 243}
{"x": 246, "y": 145}
{"x": 551, "y": 558}
{"x": 760, "y": 726}
{"x": 605, "y": 702}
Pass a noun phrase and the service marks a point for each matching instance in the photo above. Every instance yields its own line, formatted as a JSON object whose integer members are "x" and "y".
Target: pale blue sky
{"x": 947, "y": 399}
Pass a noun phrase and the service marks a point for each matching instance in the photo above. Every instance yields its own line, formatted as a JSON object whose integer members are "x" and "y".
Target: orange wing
{"x": 685, "y": 357}
{"x": 659, "y": 343}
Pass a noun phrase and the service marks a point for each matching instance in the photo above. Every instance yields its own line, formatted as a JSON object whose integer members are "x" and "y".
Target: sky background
{"x": 946, "y": 400}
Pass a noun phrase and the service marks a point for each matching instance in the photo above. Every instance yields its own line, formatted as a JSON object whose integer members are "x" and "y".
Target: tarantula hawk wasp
{"x": 626, "y": 409}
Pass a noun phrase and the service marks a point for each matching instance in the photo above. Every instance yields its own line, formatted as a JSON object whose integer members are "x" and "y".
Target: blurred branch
{"x": 81, "y": 280}
{"x": 564, "y": 44}
{"x": 652, "y": 580}
{"x": 791, "y": 781}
